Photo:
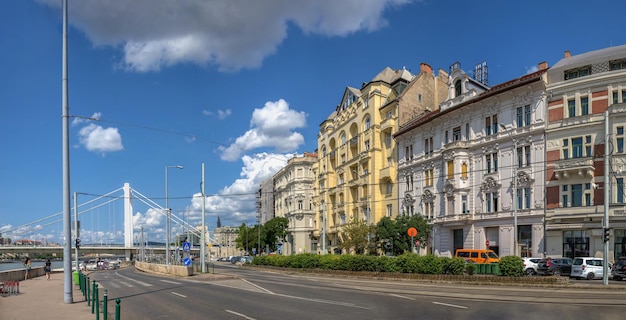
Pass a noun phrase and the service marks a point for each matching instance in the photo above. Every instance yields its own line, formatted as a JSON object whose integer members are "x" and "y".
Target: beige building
{"x": 356, "y": 171}
{"x": 586, "y": 93}
{"x": 293, "y": 196}
{"x": 225, "y": 238}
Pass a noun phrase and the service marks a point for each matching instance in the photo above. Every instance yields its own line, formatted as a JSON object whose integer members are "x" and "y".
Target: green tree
{"x": 356, "y": 236}
{"x": 393, "y": 237}
{"x": 275, "y": 230}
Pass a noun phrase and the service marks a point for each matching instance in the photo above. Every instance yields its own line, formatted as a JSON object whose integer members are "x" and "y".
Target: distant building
{"x": 226, "y": 241}
{"x": 265, "y": 200}
{"x": 294, "y": 192}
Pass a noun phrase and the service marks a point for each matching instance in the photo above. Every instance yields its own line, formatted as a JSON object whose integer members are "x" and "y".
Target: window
{"x": 571, "y": 108}
{"x": 564, "y": 196}
{"x": 409, "y": 182}
{"x": 523, "y": 156}
{"x": 389, "y": 208}
{"x": 584, "y": 105}
{"x": 578, "y": 149}
{"x": 464, "y": 170}
{"x": 451, "y": 169}
{"x": 343, "y": 158}
{"x": 408, "y": 152}
{"x": 343, "y": 138}
{"x": 389, "y": 162}
{"x": 491, "y": 125}
{"x": 565, "y": 149}
{"x": 450, "y": 206}
{"x": 447, "y": 138}
{"x": 467, "y": 131}
{"x": 617, "y": 65}
{"x": 619, "y": 139}
{"x": 300, "y": 205}
{"x": 389, "y": 187}
{"x": 457, "y": 88}
{"x": 387, "y": 139}
{"x": 575, "y": 196}
{"x": 491, "y": 202}
{"x": 389, "y": 114}
{"x": 428, "y": 210}
{"x": 324, "y": 151}
{"x": 367, "y": 124}
{"x": 456, "y": 134}
{"x": 419, "y": 97}
{"x": 576, "y": 73}
{"x": 341, "y": 178}
{"x": 367, "y": 145}
{"x": 491, "y": 162}
{"x": 619, "y": 189}
{"x": 523, "y": 116}
{"x": 428, "y": 145}
{"x": 523, "y": 198}
{"x": 428, "y": 178}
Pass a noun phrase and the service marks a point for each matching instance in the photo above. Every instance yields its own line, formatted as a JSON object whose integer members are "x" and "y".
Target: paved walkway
{"x": 44, "y": 299}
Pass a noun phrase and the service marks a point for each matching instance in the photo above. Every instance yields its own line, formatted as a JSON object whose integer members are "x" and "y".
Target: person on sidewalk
{"x": 26, "y": 268}
{"x": 48, "y": 268}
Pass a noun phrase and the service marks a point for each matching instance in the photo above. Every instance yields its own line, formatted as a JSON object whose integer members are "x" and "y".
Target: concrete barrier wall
{"x": 18, "y": 274}
{"x": 179, "y": 271}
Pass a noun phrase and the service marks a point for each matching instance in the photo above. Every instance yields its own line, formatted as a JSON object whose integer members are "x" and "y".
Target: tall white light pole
{"x": 168, "y": 213}
{"x": 607, "y": 194}
{"x": 203, "y": 240}
{"x": 514, "y": 202}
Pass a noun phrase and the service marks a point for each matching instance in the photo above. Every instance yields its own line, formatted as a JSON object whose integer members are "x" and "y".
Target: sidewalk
{"x": 44, "y": 299}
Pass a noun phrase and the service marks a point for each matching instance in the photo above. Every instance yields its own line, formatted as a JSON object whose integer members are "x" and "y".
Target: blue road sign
{"x": 186, "y": 246}
{"x": 187, "y": 261}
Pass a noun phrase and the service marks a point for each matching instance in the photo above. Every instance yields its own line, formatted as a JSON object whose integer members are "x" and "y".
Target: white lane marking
{"x": 115, "y": 285}
{"x": 127, "y": 284}
{"x": 172, "y": 282}
{"x": 241, "y": 315}
{"x": 257, "y": 286}
{"x": 180, "y": 295}
{"x": 449, "y": 305}
{"x": 135, "y": 280}
{"x": 403, "y": 297}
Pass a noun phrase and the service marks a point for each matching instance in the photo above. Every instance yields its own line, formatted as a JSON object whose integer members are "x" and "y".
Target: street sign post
{"x": 412, "y": 232}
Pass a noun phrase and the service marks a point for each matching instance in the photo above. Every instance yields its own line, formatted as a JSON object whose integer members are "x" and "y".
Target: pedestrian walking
{"x": 26, "y": 268}
{"x": 48, "y": 268}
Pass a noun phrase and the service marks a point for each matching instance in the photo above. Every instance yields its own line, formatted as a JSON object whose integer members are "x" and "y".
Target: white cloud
{"x": 236, "y": 203}
{"x": 221, "y": 114}
{"x": 95, "y": 117}
{"x": 270, "y": 127}
{"x": 98, "y": 139}
{"x": 232, "y": 34}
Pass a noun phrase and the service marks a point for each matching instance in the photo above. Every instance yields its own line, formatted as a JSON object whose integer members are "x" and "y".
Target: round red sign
{"x": 487, "y": 243}
{"x": 412, "y": 232}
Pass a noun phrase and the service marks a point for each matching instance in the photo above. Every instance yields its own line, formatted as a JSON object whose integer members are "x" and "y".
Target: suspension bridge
{"x": 35, "y": 236}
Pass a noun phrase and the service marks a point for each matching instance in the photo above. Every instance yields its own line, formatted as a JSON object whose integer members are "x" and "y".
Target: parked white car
{"x": 530, "y": 266}
{"x": 587, "y": 268}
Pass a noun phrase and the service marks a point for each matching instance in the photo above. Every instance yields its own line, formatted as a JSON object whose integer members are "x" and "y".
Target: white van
{"x": 587, "y": 268}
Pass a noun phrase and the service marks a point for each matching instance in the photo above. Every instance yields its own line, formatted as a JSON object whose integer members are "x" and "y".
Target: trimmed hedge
{"x": 406, "y": 263}
{"x": 511, "y": 266}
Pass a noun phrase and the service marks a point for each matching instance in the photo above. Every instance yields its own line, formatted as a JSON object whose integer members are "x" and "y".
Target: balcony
{"x": 385, "y": 173}
{"x": 354, "y": 141}
{"x": 388, "y": 123}
{"x": 459, "y": 144}
{"x": 577, "y": 167}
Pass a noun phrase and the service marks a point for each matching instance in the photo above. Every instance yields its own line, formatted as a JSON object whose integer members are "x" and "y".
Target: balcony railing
{"x": 574, "y": 167}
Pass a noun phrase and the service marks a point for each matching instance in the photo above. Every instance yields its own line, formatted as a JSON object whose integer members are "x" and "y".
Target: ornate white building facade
{"x": 457, "y": 162}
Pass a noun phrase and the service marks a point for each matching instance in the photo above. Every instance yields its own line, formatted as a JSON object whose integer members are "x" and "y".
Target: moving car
{"x": 554, "y": 266}
{"x": 587, "y": 268}
{"x": 478, "y": 255}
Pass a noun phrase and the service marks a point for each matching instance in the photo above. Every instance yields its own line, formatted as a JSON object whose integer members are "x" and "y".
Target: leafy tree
{"x": 275, "y": 230}
{"x": 356, "y": 236}
{"x": 393, "y": 237}
{"x": 248, "y": 237}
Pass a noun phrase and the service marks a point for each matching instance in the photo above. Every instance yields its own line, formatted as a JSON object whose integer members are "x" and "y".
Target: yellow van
{"x": 478, "y": 255}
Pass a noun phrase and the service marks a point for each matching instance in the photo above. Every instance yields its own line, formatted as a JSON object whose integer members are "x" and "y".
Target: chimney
{"x": 424, "y": 67}
{"x": 543, "y": 65}
{"x": 567, "y": 54}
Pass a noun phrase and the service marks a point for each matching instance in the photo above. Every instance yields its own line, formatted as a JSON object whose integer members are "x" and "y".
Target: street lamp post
{"x": 168, "y": 218}
{"x": 515, "y": 200}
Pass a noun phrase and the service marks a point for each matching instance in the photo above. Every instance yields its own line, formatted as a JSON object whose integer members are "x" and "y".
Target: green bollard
{"x": 94, "y": 294}
{"x": 117, "y": 309}
{"x": 104, "y": 305}
{"x": 97, "y": 303}
{"x": 88, "y": 293}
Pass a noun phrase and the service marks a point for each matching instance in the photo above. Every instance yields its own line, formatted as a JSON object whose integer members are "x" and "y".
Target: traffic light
{"x": 77, "y": 243}
{"x": 607, "y": 233}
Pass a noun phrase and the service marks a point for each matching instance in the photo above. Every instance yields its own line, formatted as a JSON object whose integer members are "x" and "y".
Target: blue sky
{"x": 238, "y": 85}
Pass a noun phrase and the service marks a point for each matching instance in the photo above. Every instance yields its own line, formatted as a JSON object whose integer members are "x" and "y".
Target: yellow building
{"x": 356, "y": 173}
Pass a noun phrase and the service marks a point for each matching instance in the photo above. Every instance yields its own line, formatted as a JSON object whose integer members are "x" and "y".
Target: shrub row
{"x": 407, "y": 263}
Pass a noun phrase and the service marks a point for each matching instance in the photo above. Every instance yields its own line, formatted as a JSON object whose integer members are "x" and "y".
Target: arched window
{"x": 464, "y": 170}
{"x": 367, "y": 124}
{"x": 457, "y": 88}
{"x": 323, "y": 151}
{"x": 343, "y": 138}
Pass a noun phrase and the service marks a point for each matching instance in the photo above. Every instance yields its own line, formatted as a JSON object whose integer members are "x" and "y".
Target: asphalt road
{"x": 269, "y": 295}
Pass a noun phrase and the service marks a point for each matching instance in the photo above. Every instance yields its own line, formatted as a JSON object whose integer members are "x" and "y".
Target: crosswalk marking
{"x": 172, "y": 282}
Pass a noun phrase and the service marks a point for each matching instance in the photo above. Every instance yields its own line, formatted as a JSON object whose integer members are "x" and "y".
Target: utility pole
{"x": 607, "y": 192}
